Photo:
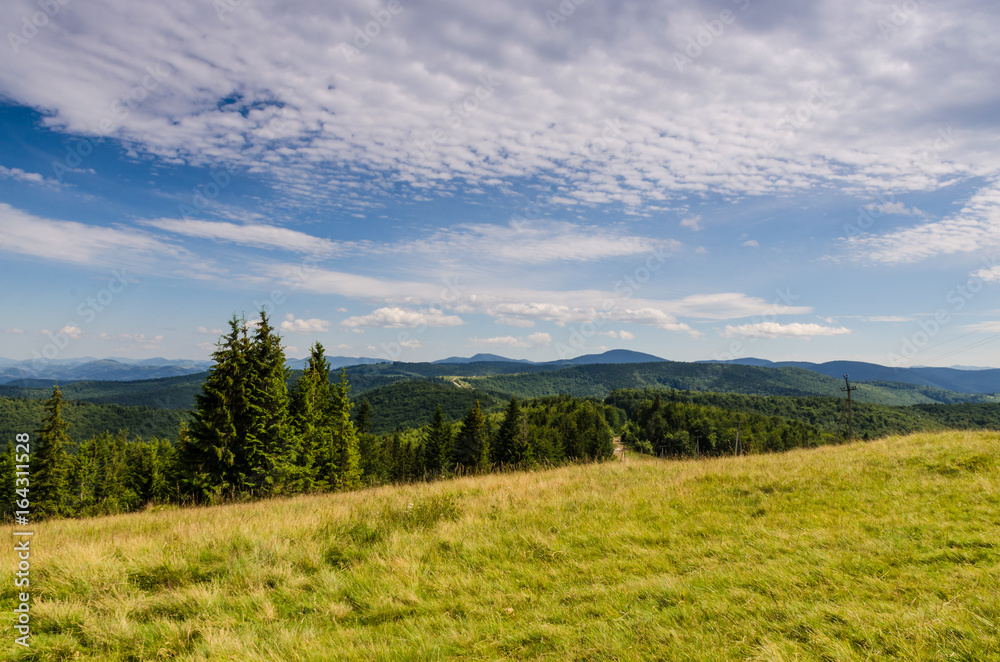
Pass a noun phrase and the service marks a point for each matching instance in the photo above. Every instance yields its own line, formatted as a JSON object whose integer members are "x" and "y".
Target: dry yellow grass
{"x": 870, "y": 551}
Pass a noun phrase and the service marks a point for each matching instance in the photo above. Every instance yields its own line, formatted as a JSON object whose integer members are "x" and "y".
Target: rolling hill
{"x": 884, "y": 550}
{"x": 983, "y": 380}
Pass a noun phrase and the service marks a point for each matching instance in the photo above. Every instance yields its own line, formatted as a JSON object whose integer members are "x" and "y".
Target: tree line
{"x": 252, "y": 435}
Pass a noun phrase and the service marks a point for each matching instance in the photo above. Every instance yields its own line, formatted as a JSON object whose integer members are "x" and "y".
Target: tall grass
{"x": 861, "y": 552}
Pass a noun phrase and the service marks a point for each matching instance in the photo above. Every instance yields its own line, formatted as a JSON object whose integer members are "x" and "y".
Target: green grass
{"x": 886, "y": 550}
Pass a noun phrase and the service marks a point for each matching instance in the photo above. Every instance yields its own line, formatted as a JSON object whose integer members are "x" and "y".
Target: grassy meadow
{"x": 889, "y": 549}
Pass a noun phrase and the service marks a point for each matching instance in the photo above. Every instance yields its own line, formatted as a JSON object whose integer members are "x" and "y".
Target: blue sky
{"x": 541, "y": 180}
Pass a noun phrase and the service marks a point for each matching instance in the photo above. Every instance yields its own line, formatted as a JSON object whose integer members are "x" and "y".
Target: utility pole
{"x": 848, "y": 408}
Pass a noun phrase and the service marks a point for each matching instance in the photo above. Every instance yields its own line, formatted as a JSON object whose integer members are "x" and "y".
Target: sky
{"x": 415, "y": 180}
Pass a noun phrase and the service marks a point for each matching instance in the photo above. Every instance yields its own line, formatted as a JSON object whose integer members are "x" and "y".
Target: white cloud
{"x": 304, "y": 326}
{"x": 30, "y": 177}
{"x": 988, "y": 274}
{"x": 692, "y": 223}
{"x": 534, "y": 340}
{"x": 775, "y": 330}
{"x": 514, "y": 321}
{"x": 537, "y": 242}
{"x": 395, "y": 317}
{"x": 73, "y": 332}
{"x": 79, "y": 243}
{"x": 889, "y": 318}
{"x": 895, "y": 207}
{"x": 539, "y": 339}
{"x": 138, "y": 340}
{"x": 257, "y": 235}
{"x": 778, "y": 122}
{"x": 752, "y": 243}
{"x": 626, "y": 335}
{"x": 985, "y": 327}
{"x": 211, "y": 332}
{"x": 976, "y": 227}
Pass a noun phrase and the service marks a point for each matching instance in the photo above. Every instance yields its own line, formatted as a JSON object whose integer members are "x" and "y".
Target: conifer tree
{"x": 310, "y": 411}
{"x": 438, "y": 445}
{"x": 507, "y": 436}
{"x": 363, "y": 421}
{"x": 211, "y": 458}
{"x": 344, "y": 470}
{"x": 472, "y": 447}
{"x": 269, "y": 440}
{"x": 50, "y": 463}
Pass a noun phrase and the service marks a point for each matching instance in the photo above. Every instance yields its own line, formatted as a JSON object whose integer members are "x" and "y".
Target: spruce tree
{"x": 50, "y": 463}
{"x": 310, "y": 412}
{"x": 269, "y": 440}
{"x": 345, "y": 466}
{"x": 363, "y": 421}
{"x": 211, "y": 459}
{"x": 472, "y": 447}
{"x": 438, "y": 445}
{"x": 508, "y": 447}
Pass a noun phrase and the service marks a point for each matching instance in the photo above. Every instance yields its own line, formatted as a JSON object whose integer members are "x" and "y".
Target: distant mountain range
{"x": 962, "y": 380}
{"x": 91, "y": 369}
{"x": 26, "y": 373}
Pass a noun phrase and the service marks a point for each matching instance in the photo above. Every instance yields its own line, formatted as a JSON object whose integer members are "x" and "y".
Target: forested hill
{"x": 504, "y": 379}
{"x": 87, "y": 420}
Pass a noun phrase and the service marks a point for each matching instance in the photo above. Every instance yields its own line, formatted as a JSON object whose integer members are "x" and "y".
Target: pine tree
{"x": 513, "y": 445}
{"x": 310, "y": 412}
{"x": 345, "y": 469}
{"x": 472, "y": 448}
{"x": 50, "y": 463}
{"x": 363, "y": 421}
{"x": 269, "y": 440}
{"x": 438, "y": 445}
{"x": 210, "y": 459}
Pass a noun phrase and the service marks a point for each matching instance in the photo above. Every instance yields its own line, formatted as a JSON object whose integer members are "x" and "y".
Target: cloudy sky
{"x": 413, "y": 180}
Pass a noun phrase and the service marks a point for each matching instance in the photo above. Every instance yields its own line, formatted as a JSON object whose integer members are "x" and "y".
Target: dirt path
{"x": 619, "y": 448}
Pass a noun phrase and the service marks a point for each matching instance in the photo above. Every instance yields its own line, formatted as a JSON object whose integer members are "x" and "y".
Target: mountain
{"x": 482, "y": 358}
{"x": 72, "y": 370}
{"x": 613, "y": 356}
{"x": 986, "y": 380}
{"x": 336, "y": 362}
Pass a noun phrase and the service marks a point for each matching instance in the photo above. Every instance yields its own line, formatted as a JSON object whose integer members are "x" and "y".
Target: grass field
{"x": 863, "y": 552}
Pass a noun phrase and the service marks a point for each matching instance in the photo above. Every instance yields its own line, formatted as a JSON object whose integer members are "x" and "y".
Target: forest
{"x": 252, "y": 436}
{"x": 258, "y": 429}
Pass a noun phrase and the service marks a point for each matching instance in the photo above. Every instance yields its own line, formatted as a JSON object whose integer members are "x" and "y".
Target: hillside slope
{"x": 885, "y": 550}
